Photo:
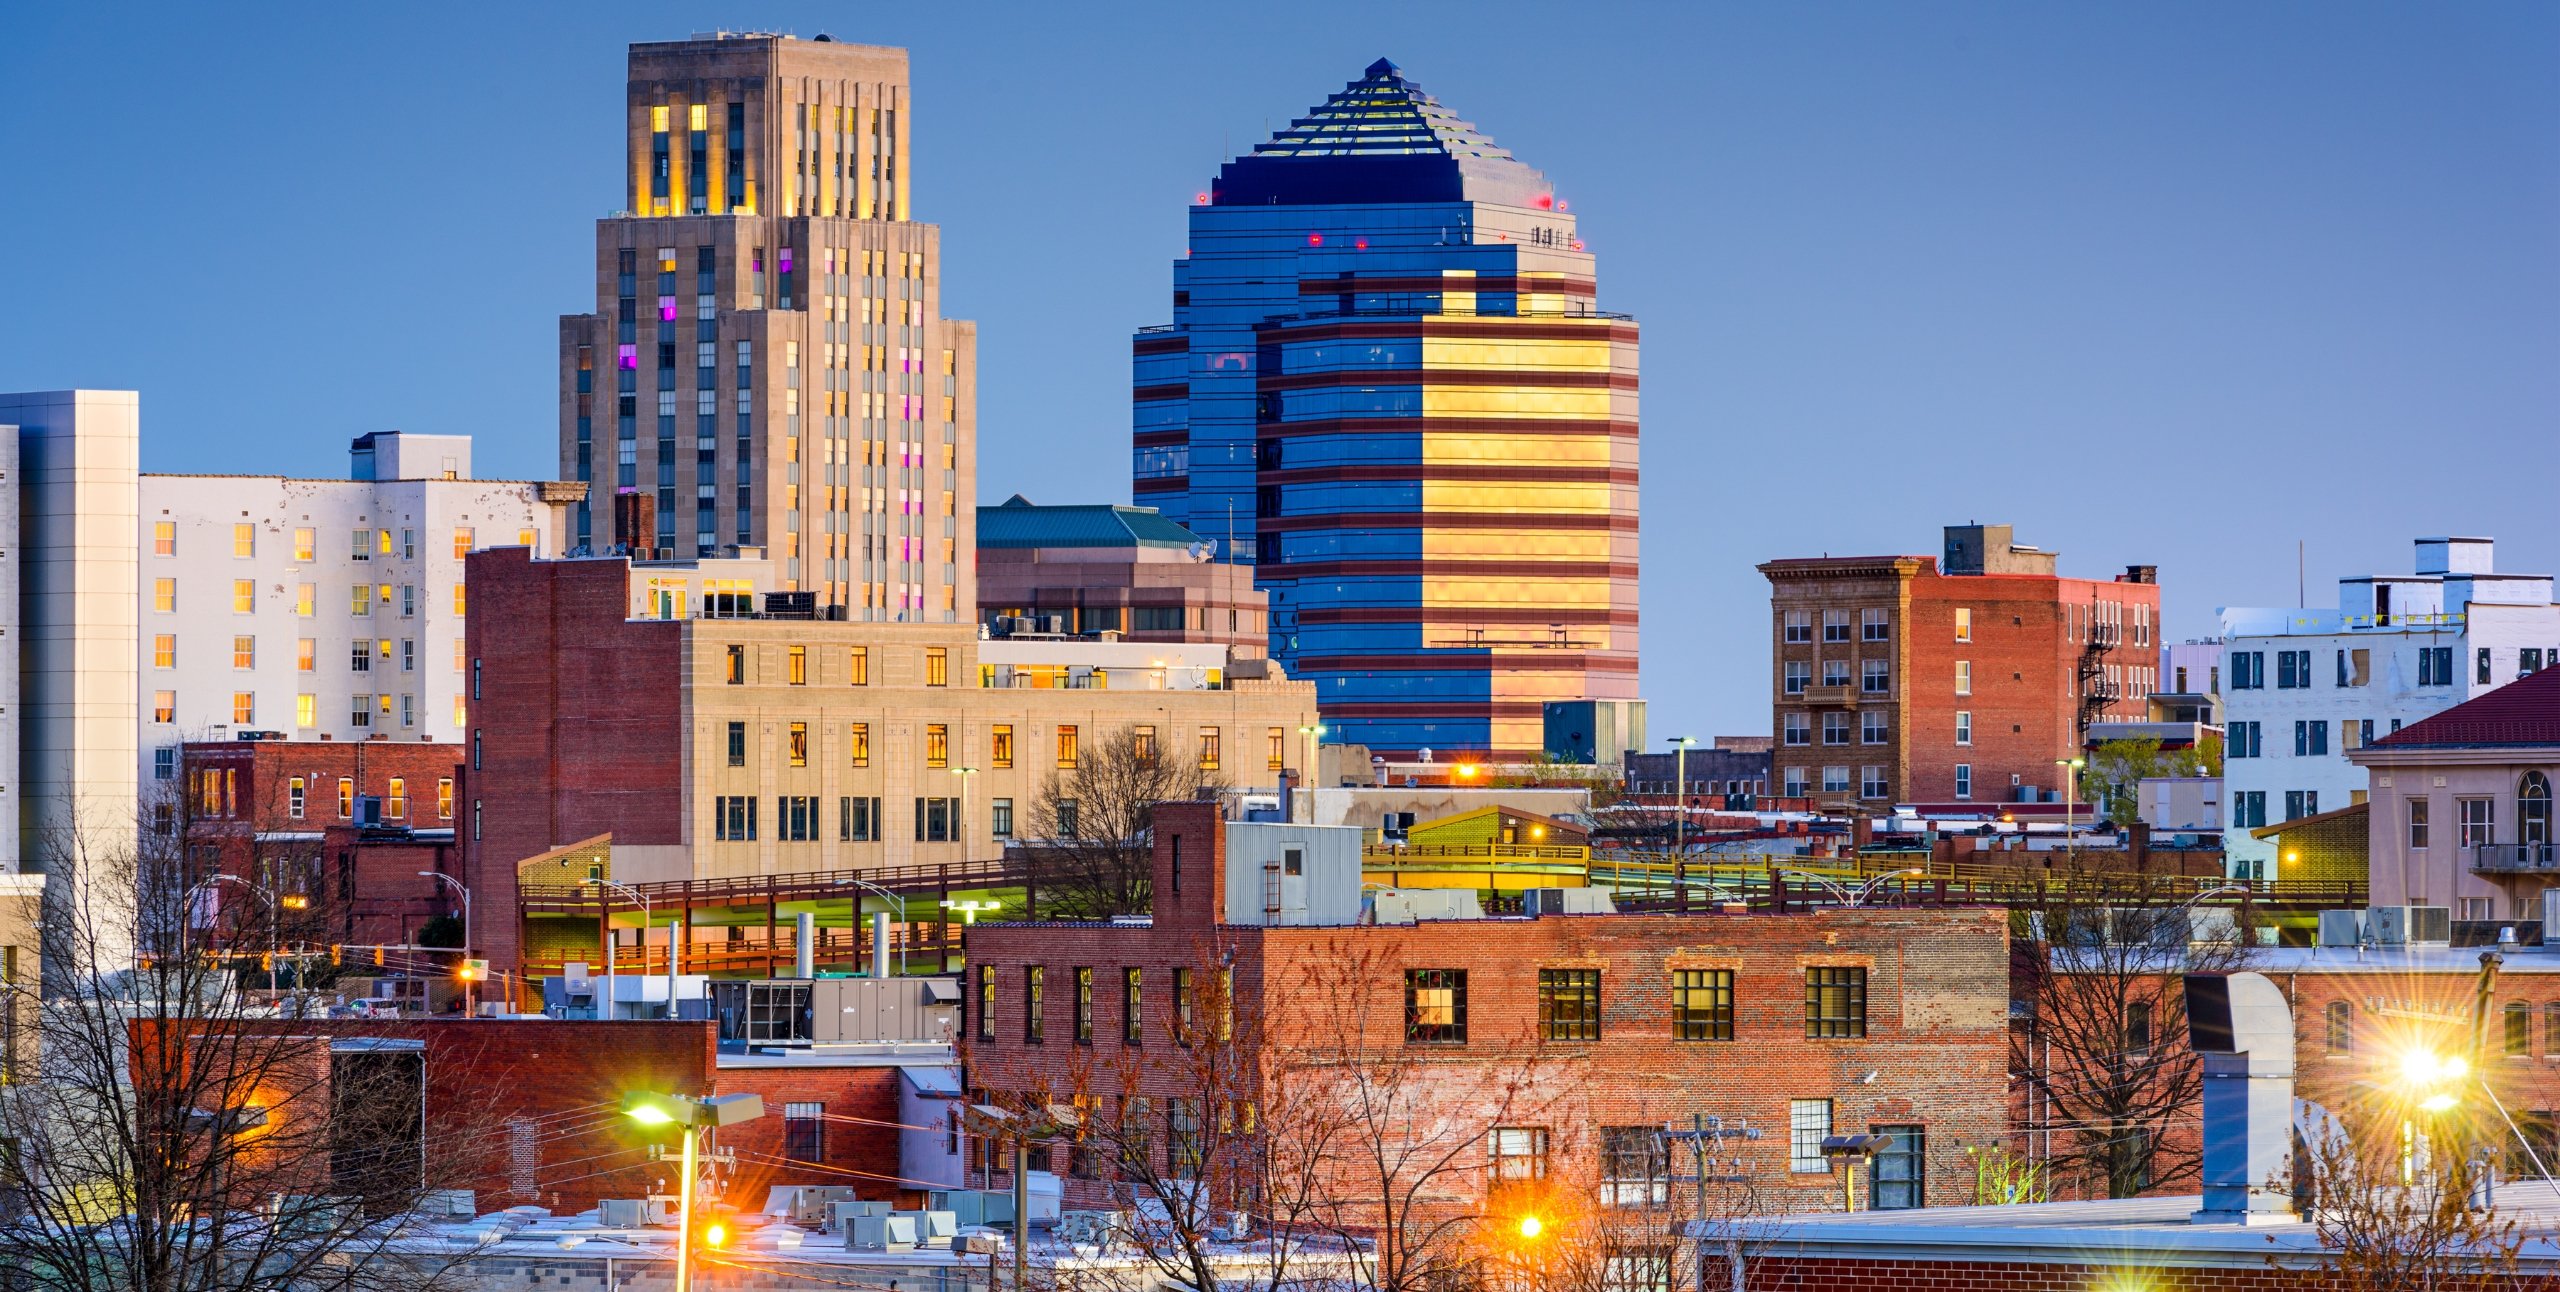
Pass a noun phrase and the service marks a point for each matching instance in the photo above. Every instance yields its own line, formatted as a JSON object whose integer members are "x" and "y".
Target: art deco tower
{"x": 1387, "y": 385}
{"x": 767, "y": 364}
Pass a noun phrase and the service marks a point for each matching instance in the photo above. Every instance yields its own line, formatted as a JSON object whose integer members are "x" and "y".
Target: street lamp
{"x": 275, "y": 934}
{"x": 612, "y": 952}
{"x": 696, "y": 1116}
{"x": 965, "y": 774}
{"x": 2070, "y": 802}
{"x": 470, "y": 995}
{"x": 1680, "y": 794}
{"x": 1855, "y": 897}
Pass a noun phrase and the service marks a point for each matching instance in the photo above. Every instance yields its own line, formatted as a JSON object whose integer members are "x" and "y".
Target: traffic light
{"x": 377, "y": 957}
{"x": 267, "y": 961}
{"x": 337, "y": 956}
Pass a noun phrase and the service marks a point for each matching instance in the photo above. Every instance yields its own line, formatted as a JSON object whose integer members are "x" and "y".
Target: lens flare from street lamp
{"x": 1531, "y": 1226}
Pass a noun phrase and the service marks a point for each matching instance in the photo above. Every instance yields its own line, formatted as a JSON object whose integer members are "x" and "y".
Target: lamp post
{"x": 1680, "y": 795}
{"x": 275, "y": 934}
{"x": 611, "y": 952}
{"x": 470, "y": 993}
{"x": 696, "y": 1116}
{"x": 1855, "y": 897}
{"x": 1307, "y": 769}
{"x": 967, "y": 777}
{"x": 2070, "y": 803}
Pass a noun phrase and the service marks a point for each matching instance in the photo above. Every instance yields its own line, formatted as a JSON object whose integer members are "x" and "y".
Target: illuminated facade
{"x": 1387, "y": 387}
{"x": 768, "y": 365}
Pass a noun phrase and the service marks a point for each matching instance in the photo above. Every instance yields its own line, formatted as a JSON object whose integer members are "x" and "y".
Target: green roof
{"x": 1020, "y": 523}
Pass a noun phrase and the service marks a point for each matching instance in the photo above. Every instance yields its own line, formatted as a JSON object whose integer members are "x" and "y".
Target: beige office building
{"x": 767, "y": 364}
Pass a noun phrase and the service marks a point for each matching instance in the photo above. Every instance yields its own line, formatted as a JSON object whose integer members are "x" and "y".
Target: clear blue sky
{"x": 2166, "y": 283}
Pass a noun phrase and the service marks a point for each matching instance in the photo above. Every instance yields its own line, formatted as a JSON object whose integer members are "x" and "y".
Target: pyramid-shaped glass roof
{"x": 1382, "y": 139}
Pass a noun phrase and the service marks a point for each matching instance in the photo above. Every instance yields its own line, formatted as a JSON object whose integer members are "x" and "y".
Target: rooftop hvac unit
{"x": 933, "y": 1228}
{"x": 892, "y": 1233}
{"x": 1569, "y": 901}
{"x": 842, "y": 1215}
{"x": 2411, "y": 926}
{"x": 814, "y": 1204}
{"x": 2342, "y": 928}
{"x": 623, "y": 1213}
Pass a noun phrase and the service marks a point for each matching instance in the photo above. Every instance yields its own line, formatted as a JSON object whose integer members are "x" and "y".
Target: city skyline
{"x": 2309, "y": 273}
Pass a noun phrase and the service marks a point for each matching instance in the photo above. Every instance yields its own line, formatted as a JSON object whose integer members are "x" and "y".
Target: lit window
{"x": 1000, "y": 745}
{"x": 164, "y": 650}
{"x": 164, "y": 595}
{"x": 461, "y": 542}
{"x": 444, "y": 798}
{"x": 1517, "y": 1153}
{"x": 1067, "y": 747}
{"x": 937, "y": 745}
{"x": 306, "y": 711}
{"x": 346, "y": 799}
{"x": 306, "y": 544}
{"x": 458, "y": 601}
{"x": 360, "y": 599}
{"x": 296, "y": 792}
{"x": 164, "y": 706}
{"x": 799, "y": 666}
{"x": 1964, "y": 624}
{"x": 305, "y": 600}
{"x": 395, "y": 799}
{"x": 799, "y": 744}
{"x": 244, "y": 707}
{"x": 1808, "y": 1124}
{"x": 937, "y": 666}
{"x": 244, "y": 596}
{"x": 859, "y": 667}
{"x": 164, "y": 538}
{"x": 244, "y": 540}
{"x": 244, "y": 652}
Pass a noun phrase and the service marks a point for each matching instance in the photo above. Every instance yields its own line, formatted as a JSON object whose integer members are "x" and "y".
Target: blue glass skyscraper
{"x": 1387, "y": 385}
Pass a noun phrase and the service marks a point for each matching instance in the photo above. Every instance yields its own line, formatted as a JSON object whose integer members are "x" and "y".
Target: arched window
{"x": 2533, "y": 812}
{"x": 2342, "y": 1027}
{"x": 2519, "y": 1021}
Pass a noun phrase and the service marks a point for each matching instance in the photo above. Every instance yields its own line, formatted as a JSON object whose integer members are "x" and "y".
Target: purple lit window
{"x": 666, "y": 309}
{"x": 786, "y": 260}
{"x": 630, "y": 356}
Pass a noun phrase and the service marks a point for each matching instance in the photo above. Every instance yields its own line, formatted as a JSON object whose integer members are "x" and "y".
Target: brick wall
{"x": 1937, "y": 989}
{"x": 858, "y": 1140}
{"x": 537, "y": 653}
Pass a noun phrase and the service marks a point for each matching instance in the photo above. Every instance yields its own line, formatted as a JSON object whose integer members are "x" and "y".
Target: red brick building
{"x": 530, "y": 1112}
{"x": 1962, "y": 680}
{"x": 1800, "y": 1026}
{"x": 338, "y": 830}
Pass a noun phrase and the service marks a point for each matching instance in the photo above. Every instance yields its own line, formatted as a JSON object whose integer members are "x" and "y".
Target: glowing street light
{"x": 1531, "y": 1226}
{"x": 696, "y": 1116}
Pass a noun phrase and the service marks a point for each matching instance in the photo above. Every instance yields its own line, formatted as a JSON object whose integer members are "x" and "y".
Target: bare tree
{"x": 2395, "y": 1223}
{"x": 165, "y": 1132}
{"x": 2100, "y": 1038}
{"x": 1092, "y": 824}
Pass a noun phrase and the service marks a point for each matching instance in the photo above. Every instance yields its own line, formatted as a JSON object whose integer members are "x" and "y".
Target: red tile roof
{"x": 2523, "y": 712}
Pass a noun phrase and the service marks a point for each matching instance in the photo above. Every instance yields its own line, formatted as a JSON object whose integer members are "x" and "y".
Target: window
{"x": 1000, "y": 745}
{"x": 986, "y": 1002}
{"x": 1799, "y": 626}
{"x": 461, "y": 542}
{"x": 2301, "y": 803}
{"x": 1000, "y": 818}
{"x": 1898, "y": 1175}
{"x": 2293, "y": 670}
{"x": 306, "y": 656}
{"x": 360, "y": 599}
{"x": 244, "y": 540}
{"x": 858, "y": 741}
{"x": 306, "y": 599}
{"x": 1133, "y": 1007}
{"x": 2339, "y": 1021}
{"x": 1569, "y": 1004}
{"x": 164, "y": 538}
{"x": 1702, "y": 1004}
{"x": 2137, "y": 1027}
{"x": 1835, "y": 779}
{"x": 858, "y": 819}
{"x": 795, "y": 818}
{"x": 1835, "y": 1002}
{"x": 1835, "y": 728}
{"x": 937, "y": 820}
{"x": 1182, "y": 1133}
{"x": 1875, "y": 677}
{"x": 1516, "y": 1153}
{"x": 1808, "y": 1124}
{"x": 2481, "y": 673}
{"x": 804, "y": 1132}
{"x": 1964, "y": 677}
{"x": 164, "y": 650}
{"x": 306, "y": 710}
{"x": 1871, "y": 783}
{"x": 244, "y": 596}
{"x": 1964, "y": 780}
{"x": 444, "y": 798}
{"x": 1209, "y": 738}
{"x": 1873, "y": 624}
{"x": 797, "y": 665}
{"x": 733, "y": 818}
{"x": 1035, "y": 981}
{"x": 1793, "y": 780}
{"x": 164, "y": 763}
{"x": 1798, "y": 727}
{"x": 1635, "y": 1168}
{"x": 796, "y": 743}
{"x": 2533, "y": 816}
{"x": 1435, "y": 1006}
{"x": 1964, "y": 726}
{"x": 2248, "y": 670}
{"x": 1872, "y": 728}
{"x": 1275, "y": 748}
{"x": 1835, "y": 672}
{"x": 2242, "y": 740}
{"x": 937, "y": 666}
{"x": 1066, "y": 819}
{"x": 2551, "y": 1028}
{"x": 1799, "y": 675}
{"x": 1066, "y": 748}
{"x": 346, "y": 799}
{"x": 1964, "y": 624}
{"x": 2311, "y": 738}
{"x": 461, "y": 601}
{"x": 296, "y": 797}
{"x": 2435, "y": 666}
{"x": 2477, "y": 819}
{"x": 2249, "y": 808}
{"x": 2517, "y": 1017}
{"x": 737, "y": 673}
{"x": 737, "y": 744}
{"x": 1084, "y": 1006}
{"x": 2417, "y": 825}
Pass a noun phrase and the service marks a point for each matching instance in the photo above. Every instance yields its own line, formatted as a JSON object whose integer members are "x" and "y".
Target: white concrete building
{"x": 2302, "y": 688}
{"x": 67, "y": 465}
{"x": 327, "y": 609}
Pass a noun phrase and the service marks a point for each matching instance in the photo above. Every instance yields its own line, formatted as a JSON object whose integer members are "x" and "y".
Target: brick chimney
{"x": 1190, "y": 864}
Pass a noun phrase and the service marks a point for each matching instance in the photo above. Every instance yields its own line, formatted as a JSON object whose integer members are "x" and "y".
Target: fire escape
{"x": 2097, "y": 691}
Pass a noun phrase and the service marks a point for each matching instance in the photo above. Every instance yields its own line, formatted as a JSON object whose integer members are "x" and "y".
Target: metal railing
{"x": 2514, "y": 858}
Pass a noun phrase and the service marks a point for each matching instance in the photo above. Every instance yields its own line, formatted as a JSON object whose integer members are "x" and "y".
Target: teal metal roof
{"x": 1020, "y": 523}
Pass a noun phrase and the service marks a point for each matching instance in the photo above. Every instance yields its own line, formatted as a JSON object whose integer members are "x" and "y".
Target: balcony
{"x": 1830, "y": 697}
{"x": 2514, "y": 859}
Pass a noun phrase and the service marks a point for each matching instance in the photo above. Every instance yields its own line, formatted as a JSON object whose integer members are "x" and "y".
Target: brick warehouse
{"x": 345, "y": 826}
{"x": 1922, "y": 1059}
{"x": 1905, "y": 679}
{"x": 529, "y": 1112}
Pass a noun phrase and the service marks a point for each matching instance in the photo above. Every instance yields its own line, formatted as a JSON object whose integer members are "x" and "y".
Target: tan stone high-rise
{"x": 768, "y": 365}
